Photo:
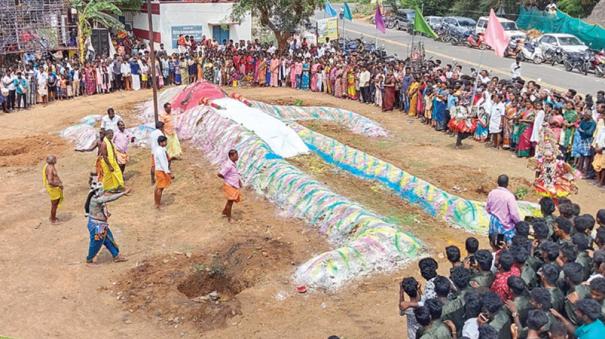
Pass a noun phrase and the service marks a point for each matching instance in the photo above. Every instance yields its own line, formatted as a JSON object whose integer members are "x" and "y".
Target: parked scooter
{"x": 531, "y": 51}
{"x": 598, "y": 63}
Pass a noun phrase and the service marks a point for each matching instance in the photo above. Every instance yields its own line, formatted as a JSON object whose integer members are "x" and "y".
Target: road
{"x": 553, "y": 77}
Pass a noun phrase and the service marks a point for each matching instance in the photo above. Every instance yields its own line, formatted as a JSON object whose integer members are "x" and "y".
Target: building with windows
{"x": 209, "y": 18}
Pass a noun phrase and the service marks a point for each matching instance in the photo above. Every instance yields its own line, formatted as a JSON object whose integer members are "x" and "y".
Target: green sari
{"x": 571, "y": 117}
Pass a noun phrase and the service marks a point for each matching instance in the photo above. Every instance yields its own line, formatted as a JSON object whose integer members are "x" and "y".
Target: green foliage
{"x": 130, "y": 5}
{"x": 283, "y": 17}
{"x": 104, "y": 12}
{"x": 429, "y": 7}
{"x": 577, "y": 8}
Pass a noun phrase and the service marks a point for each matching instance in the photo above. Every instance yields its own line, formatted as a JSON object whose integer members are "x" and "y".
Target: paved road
{"x": 399, "y": 42}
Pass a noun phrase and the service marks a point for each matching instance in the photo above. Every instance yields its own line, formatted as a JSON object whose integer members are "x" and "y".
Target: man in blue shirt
{"x": 22, "y": 88}
{"x": 588, "y": 312}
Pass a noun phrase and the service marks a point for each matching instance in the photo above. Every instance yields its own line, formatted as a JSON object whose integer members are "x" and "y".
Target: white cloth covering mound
{"x": 282, "y": 139}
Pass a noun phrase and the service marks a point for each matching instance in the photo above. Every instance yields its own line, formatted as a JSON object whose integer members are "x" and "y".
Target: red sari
{"x": 388, "y": 99}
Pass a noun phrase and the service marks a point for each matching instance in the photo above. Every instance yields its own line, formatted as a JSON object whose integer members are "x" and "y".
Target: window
{"x": 569, "y": 41}
{"x": 482, "y": 23}
{"x": 509, "y": 26}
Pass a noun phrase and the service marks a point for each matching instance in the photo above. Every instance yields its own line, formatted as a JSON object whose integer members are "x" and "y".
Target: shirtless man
{"x": 97, "y": 146}
{"x": 53, "y": 186}
{"x": 98, "y": 225}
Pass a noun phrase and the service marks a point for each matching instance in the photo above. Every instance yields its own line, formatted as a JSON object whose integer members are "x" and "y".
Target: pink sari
{"x": 314, "y": 77}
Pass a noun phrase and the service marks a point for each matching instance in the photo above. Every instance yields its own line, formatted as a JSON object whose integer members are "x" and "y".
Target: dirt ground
{"x": 190, "y": 273}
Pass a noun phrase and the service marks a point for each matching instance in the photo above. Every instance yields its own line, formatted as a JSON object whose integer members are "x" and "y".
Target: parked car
{"x": 510, "y": 28}
{"x": 403, "y": 19}
{"x": 567, "y": 42}
{"x": 434, "y": 21}
{"x": 461, "y": 24}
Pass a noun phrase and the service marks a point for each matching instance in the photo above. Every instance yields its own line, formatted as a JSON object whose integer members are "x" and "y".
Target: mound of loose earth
{"x": 29, "y": 150}
{"x": 201, "y": 288}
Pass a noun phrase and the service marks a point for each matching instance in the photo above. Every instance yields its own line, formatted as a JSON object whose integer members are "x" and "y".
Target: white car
{"x": 567, "y": 42}
{"x": 510, "y": 28}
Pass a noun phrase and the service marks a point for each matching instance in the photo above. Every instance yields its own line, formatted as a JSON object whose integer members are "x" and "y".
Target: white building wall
{"x": 198, "y": 14}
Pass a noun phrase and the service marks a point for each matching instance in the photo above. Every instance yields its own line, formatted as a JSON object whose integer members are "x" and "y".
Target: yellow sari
{"x": 55, "y": 193}
{"x": 351, "y": 90}
{"x": 111, "y": 180}
{"x": 413, "y": 95}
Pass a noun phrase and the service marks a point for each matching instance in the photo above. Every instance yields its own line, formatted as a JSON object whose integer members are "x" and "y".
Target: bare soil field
{"x": 190, "y": 273}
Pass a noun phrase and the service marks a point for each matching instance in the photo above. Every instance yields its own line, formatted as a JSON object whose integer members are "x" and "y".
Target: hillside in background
{"x": 598, "y": 14}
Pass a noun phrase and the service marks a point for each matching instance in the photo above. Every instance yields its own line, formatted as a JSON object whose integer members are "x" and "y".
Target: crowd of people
{"x": 107, "y": 182}
{"x": 559, "y": 128}
{"x": 542, "y": 278}
{"x": 512, "y": 114}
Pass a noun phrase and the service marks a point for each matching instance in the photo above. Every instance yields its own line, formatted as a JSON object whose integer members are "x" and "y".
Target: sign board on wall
{"x": 327, "y": 28}
{"x": 195, "y": 30}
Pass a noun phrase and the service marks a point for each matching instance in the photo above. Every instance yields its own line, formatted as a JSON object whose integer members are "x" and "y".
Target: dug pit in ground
{"x": 202, "y": 289}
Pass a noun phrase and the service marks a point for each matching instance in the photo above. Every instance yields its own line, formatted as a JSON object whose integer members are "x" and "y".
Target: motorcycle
{"x": 578, "y": 60}
{"x": 455, "y": 36}
{"x": 477, "y": 41}
{"x": 554, "y": 56}
{"x": 532, "y": 52}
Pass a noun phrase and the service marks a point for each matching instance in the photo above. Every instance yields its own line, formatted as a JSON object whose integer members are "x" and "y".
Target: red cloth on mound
{"x": 192, "y": 94}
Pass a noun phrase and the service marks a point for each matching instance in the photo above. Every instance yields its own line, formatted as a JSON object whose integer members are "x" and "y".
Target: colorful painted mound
{"x": 463, "y": 213}
{"x": 365, "y": 241}
{"x": 355, "y": 122}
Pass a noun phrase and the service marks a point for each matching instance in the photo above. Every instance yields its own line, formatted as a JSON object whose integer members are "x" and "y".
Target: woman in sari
{"x": 351, "y": 86}
{"x": 293, "y": 75}
{"x": 275, "y": 63}
{"x": 482, "y": 131}
{"x": 267, "y": 72}
{"x": 555, "y": 122}
{"x": 570, "y": 117}
{"x": 378, "y": 88}
{"x": 526, "y": 125}
{"x": 510, "y": 114}
{"x": 413, "y": 97}
{"x": 260, "y": 73}
{"x": 305, "y": 77}
{"x": 338, "y": 90}
{"x": 420, "y": 104}
{"x": 314, "y": 76}
{"x": 388, "y": 100}
{"x": 90, "y": 82}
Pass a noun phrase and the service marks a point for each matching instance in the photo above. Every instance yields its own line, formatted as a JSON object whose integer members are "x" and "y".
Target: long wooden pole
{"x": 154, "y": 84}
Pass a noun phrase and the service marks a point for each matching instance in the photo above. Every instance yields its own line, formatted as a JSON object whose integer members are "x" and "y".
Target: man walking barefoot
{"x": 163, "y": 176}
{"x": 232, "y": 183}
{"x": 53, "y": 186}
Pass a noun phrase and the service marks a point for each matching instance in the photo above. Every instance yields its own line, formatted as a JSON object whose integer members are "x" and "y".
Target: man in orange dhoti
{"x": 163, "y": 176}
{"x": 232, "y": 183}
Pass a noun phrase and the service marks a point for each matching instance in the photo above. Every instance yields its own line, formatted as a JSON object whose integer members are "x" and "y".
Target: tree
{"x": 577, "y": 8}
{"x": 282, "y": 17}
{"x": 103, "y": 12}
{"x": 428, "y": 7}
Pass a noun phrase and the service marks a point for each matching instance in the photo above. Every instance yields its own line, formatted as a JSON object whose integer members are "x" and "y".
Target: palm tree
{"x": 103, "y": 12}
